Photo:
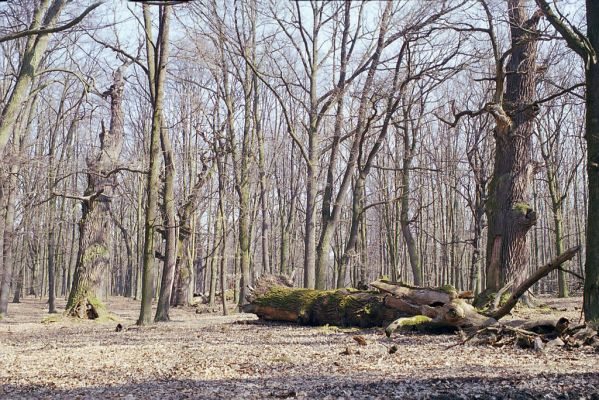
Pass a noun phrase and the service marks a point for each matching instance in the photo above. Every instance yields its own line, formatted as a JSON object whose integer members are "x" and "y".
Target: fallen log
{"x": 391, "y": 305}
{"x": 275, "y": 300}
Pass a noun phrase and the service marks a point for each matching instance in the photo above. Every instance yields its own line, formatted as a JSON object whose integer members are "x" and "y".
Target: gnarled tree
{"x": 94, "y": 248}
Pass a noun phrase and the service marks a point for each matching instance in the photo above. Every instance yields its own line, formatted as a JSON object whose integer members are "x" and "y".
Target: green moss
{"x": 504, "y": 297}
{"x": 416, "y": 320}
{"x": 449, "y": 289}
{"x": 327, "y": 329}
{"x": 97, "y": 305}
{"x": 282, "y": 358}
{"x": 346, "y": 302}
{"x": 229, "y": 294}
{"x": 521, "y": 208}
{"x": 95, "y": 251}
{"x": 184, "y": 273}
{"x": 411, "y": 323}
{"x": 298, "y": 300}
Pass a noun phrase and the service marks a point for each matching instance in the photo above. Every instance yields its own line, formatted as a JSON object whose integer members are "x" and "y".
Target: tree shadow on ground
{"x": 544, "y": 386}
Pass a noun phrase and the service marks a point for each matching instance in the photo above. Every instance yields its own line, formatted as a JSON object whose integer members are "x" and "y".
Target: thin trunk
{"x": 170, "y": 229}
{"x": 156, "y": 79}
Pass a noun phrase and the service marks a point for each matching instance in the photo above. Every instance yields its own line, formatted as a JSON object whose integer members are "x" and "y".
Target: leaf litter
{"x": 208, "y": 356}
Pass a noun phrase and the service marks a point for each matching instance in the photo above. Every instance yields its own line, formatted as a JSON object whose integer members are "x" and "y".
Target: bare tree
{"x": 93, "y": 257}
{"x": 157, "y": 56}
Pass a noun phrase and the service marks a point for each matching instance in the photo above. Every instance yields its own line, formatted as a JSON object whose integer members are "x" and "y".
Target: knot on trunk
{"x": 524, "y": 215}
{"x": 502, "y": 119}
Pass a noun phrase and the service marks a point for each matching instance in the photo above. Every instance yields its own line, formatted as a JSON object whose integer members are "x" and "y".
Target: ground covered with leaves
{"x": 208, "y": 356}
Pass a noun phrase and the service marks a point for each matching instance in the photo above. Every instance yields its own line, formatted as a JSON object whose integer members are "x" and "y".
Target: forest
{"x": 299, "y": 199}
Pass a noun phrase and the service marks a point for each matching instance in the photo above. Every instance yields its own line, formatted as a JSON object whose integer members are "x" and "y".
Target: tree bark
{"x": 7, "y": 243}
{"x": 93, "y": 257}
{"x": 170, "y": 229}
{"x": 509, "y": 213}
{"x": 156, "y": 80}
{"x": 591, "y": 282}
{"x": 271, "y": 300}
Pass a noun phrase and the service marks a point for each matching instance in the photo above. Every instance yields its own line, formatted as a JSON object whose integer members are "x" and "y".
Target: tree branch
{"x": 44, "y": 31}
{"x": 534, "y": 278}
{"x": 576, "y": 41}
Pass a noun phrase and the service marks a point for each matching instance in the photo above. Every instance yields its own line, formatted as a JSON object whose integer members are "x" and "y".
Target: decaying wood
{"x": 393, "y": 304}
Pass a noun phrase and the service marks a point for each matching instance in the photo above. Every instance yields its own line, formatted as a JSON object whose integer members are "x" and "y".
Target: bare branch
{"x": 52, "y": 30}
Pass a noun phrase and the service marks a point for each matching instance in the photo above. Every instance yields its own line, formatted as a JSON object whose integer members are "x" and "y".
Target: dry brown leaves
{"x": 210, "y": 356}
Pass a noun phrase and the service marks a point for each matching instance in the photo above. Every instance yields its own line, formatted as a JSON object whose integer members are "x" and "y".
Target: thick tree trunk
{"x": 591, "y": 282}
{"x": 93, "y": 255}
{"x": 509, "y": 213}
{"x": 92, "y": 259}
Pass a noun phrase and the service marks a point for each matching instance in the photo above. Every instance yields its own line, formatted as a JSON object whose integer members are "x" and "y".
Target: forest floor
{"x": 208, "y": 356}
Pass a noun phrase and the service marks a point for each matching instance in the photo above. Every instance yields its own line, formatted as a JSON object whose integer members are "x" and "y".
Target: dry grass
{"x": 210, "y": 356}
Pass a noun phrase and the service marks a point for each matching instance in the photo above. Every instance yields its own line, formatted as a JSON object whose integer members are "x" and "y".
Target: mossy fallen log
{"x": 274, "y": 299}
{"x": 315, "y": 307}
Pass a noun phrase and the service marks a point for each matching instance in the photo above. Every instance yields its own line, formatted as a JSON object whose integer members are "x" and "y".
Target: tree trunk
{"x": 93, "y": 257}
{"x": 591, "y": 282}
{"x": 414, "y": 255}
{"x": 19, "y": 288}
{"x": 156, "y": 80}
{"x": 128, "y": 279}
{"x": 272, "y": 300}
{"x": 509, "y": 212}
{"x": 170, "y": 229}
{"x": 331, "y": 217}
{"x": 9, "y": 233}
